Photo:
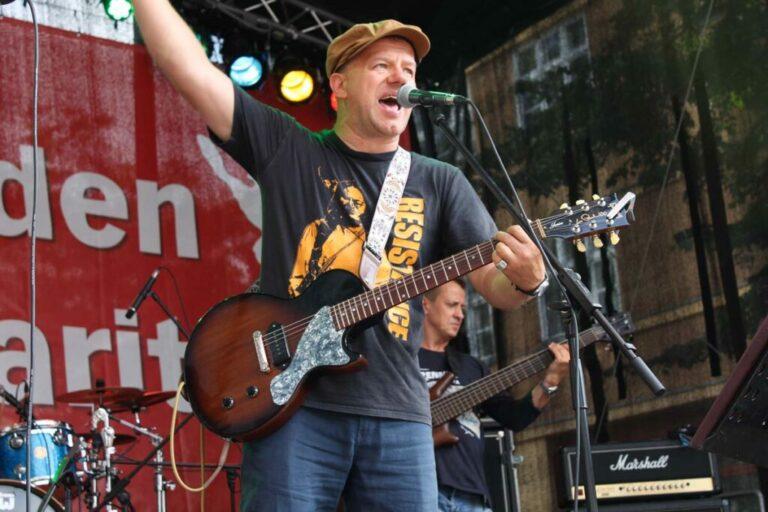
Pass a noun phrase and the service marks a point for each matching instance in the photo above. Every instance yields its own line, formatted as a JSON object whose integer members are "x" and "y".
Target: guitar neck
{"x": 449, "y": 406}
{"x": 361, "y": 307}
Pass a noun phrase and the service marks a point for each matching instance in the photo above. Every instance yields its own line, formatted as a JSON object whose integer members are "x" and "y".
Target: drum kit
{"x": 78, "y": 467}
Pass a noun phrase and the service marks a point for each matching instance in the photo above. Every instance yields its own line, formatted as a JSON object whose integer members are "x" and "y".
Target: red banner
{"x": 129, "y": 182}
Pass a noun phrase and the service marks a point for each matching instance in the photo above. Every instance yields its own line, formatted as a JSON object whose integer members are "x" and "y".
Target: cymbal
{"x": 145, "y": 400}
{"x": 100, "y": 395}
{"x": 119, "y": 438}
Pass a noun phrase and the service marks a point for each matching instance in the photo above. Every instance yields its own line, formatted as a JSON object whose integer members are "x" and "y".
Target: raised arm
{"x": 181, "y": 58}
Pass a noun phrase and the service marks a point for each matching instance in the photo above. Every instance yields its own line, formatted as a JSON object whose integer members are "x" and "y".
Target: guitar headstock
{"x": 606, "y": 214}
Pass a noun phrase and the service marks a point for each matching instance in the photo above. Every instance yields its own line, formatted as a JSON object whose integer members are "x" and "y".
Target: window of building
{"x": 557, "y": 48}
{"x": 479, "y": 327}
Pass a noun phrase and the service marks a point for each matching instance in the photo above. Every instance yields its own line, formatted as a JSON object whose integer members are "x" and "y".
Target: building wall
{"x": 664, "y": 300}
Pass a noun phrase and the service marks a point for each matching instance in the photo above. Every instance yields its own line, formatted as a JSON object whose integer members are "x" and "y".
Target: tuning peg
{"x": 615, "y": 237}
{"x": 579, "y": 243}
{"x": 595, "y": 196}
{"x": 580, "y": 202}
{"x": 597, "y": 241}
{"x": 564, "y": 206}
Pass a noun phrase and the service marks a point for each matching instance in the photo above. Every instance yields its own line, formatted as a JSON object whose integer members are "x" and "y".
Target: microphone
{"x": 142, "y": 294}
{"x": 11, "y": 399}
{"x": 409, "y": 96}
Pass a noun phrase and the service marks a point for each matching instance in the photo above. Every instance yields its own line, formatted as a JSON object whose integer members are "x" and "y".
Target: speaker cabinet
{"x": 500, "y": 467}
{"x": 686, "y": 505}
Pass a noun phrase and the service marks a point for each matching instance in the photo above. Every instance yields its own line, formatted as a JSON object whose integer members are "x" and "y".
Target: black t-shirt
{"x": 460, "y": 465}
{"x": 318, "y": 198}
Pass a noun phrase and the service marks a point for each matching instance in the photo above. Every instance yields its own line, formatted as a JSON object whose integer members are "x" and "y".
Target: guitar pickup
{"x": 278, "y": 345}
{"x": 261, "y": 354}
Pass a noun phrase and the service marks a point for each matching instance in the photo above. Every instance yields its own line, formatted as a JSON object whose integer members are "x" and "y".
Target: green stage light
{"x": 118, "y": 10}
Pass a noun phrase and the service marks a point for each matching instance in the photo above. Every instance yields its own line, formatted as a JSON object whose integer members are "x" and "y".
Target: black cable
{"x": 32, "y": 257}
{"x": 178, "y": 296}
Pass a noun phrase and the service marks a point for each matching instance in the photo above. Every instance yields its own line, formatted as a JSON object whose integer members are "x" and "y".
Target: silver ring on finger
{"x": 501, "y": 265}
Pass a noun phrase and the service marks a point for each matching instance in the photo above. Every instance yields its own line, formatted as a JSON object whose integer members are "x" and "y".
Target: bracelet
{"x": 536, "y": 292}
{"x": 548, "y": 390}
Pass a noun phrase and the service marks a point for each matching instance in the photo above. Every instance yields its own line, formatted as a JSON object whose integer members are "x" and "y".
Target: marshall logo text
{"x": 623, "y": 464}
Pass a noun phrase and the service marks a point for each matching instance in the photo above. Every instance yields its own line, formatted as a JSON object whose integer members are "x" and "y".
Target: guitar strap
{"x": 384, "y": 216}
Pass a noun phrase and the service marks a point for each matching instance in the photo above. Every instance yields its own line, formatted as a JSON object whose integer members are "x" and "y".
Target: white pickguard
{"x": 320, "y": 345}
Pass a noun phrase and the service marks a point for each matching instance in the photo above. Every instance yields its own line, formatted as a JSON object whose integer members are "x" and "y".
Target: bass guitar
{"x": 447, "y": 407}
{"x": 250, "y": 357}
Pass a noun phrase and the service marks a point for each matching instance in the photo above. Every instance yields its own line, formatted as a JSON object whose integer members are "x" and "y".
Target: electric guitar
{"x": 446, "y": 407}
{"x": 250, "y": 357}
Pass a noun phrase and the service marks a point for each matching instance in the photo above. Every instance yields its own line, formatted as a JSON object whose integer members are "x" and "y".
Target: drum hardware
{"x": 95, "y": 437}
{"x": 73, "y": 463}
{"x": 146, "y": 461}
{"x": 161, "y": 484}
{"x": 60, "y": 475}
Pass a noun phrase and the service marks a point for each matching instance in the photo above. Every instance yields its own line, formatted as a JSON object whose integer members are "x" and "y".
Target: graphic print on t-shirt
{"x": 336, "y": 240}
{"x": 468, "y": 421}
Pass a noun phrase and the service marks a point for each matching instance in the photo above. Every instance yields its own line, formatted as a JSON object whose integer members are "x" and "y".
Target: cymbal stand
{"x": 107, "y": 439}
{"x": 161, "y": 484}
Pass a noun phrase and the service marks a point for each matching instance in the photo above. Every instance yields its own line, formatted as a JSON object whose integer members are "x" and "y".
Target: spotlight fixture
{"x": 118, "y": 10}
{"x": 247, "y": 71}
{"x": 334, "y": 102}
{"x": 297, "y": 86}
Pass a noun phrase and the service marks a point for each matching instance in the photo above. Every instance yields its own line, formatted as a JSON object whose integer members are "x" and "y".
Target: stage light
{"x": 297, "y": 86}
{"x": 334, "y": 101}
{"x": 118, "y": 10}
{"x": 247, "y": 71}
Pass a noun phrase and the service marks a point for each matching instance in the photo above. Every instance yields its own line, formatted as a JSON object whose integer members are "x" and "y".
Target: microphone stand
{"x": 568, "y": 281}
{"x": 168, "y": 313}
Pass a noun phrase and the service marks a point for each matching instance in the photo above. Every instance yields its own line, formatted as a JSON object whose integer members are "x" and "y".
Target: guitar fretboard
{"x": 373, "y": 302}
{"x": 449, "y": 406}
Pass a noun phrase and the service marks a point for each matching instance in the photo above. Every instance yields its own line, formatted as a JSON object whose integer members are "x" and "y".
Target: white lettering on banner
{"x": 11, "y": 227}
{"x": 150, "y": 200}
{"x": 13, "y": 359}
{"x": 129, "y": 359}
{"x": 169, "y": 351}
{"x": 635, "y": 464}
{"x": 79, "y": 345}
{"x": 76, "y": 207}
{"x": 78, "y": 348}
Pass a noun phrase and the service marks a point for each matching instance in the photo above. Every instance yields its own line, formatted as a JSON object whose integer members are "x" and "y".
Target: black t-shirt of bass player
{"x": 460, "y": 466}
{"x": 318, "y": 199}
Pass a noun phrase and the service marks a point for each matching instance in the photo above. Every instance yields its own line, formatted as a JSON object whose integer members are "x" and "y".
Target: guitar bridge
{"x": 261, "y": 354}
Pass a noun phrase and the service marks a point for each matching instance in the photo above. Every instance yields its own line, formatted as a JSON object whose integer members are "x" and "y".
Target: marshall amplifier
{"x": 644, "y": 470}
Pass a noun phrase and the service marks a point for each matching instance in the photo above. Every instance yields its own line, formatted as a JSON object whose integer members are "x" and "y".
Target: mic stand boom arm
{"x": 575, "y": 288}
{"x": 567, "y": 280}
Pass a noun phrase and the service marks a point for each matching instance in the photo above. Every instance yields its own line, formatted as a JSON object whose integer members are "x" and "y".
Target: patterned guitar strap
{"x": 384, "y": 216}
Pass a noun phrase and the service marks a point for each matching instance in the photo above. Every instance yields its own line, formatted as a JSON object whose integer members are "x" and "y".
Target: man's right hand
{"x": 182, "y": 59}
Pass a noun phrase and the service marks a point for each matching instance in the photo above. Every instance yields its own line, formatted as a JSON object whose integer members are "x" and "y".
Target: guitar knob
{"x": 580, "y": 245}
{"x": 597, "y": 241}
{"x": 615, "y": 237}
{"x": 228, "y": 402}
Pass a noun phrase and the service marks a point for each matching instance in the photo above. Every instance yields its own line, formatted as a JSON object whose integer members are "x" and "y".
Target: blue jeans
{"x": 379, "y": 464}
{"x": 454, "y": 500}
